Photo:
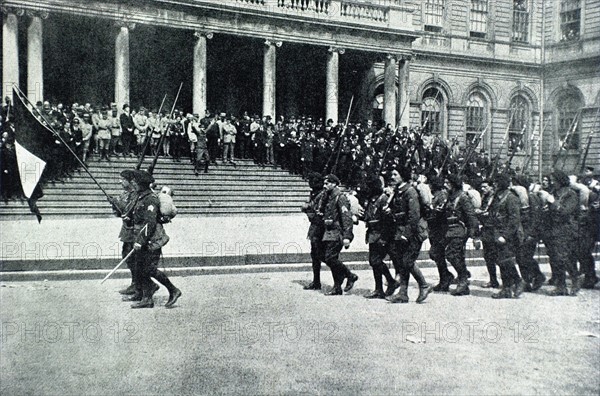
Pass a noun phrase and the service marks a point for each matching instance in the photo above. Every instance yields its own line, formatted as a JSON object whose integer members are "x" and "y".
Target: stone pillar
{"x": 35, "y": 54}
{"x": 404, "y": 90}
{"x": 122, "y": 64}
{"x": 389, "y": 90}
{"x": 332, "y": 89}
{"x": 269, "y": 77}
{"x": 10, "y": 50}
{"x": 199, "y": 80}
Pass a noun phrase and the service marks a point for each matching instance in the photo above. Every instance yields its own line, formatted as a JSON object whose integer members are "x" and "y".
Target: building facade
{"x": 522, "y": 75}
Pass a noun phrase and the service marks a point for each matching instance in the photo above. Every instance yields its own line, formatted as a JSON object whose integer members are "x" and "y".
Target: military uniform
{"x": 528, "y": 265}
{"x": 149, "y": 238}
{"x": 490, "y": 251}
{"x": 337, "y": 219}
{"x": 123, "y": 207}
{"x": 406, "y": 242}
{"x": 438, "y": 226}
{"x": 505, "y": 224}
{"x": 378, "y": 238}
{"x": 462, "y": 224}
{"x": 315, "y": 236}
{"x": 563, "y": 213}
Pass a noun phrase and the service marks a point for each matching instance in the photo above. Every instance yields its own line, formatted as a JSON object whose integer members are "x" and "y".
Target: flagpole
{"x": 48, "y": 126}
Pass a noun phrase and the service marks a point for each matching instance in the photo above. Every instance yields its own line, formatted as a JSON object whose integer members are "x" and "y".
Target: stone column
{"x": 404, "y": 90}
{"x": 10, "y": 50}
{"x": 389, "y": 90}
{"x": 269, "y": 78}
{"x": 122, "y": 64}
{"x": 332, "y": 89}
{"x": 35, "y": 53}
{"x": 199, "y": 80}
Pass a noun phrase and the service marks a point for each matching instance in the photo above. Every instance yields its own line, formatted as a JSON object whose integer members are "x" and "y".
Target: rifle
{"x": 573, "y": 126}
{"x": 162, "y": 136}
{"x": 514, "y": 151}
{"x": 147, "y": 139}
{"x": 497, "y": 158}
{"x": 474, "y": 144}
{"x": 342, "y": 135}
{"x": 535, "y": 139}
{"x": 589, "y": 142}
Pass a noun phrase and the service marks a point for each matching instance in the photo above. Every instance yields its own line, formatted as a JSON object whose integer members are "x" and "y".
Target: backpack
{"x": 167, "y": 209}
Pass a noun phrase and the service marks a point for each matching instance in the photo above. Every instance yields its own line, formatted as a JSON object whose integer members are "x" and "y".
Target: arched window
{"x": 432, "y": 112}
{"x": 519, "y": 116}
{"x": 568, "y": 123}
{"x": 476, "y": 117}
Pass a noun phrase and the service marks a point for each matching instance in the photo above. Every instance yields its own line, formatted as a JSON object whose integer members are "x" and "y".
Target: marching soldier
{"x": 490, "y": 251}
{"x": 462, "y": 224}
{"x": 563, "y": 207}
{"x": 316, "y": 229}
{"x": 149, "y": 238}
{"x": 337, "y": 219}
{"x": 123, "y": 206}
{"x": 505, "y": 221}
{"x": 438, "y": 227}
{"x": 404, "y": 209}
{"x": 378, "y": 238}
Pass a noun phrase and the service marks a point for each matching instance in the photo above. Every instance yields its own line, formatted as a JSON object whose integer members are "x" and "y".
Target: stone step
{"x": 23, "y": 213}
{"x": 92, "y": 191}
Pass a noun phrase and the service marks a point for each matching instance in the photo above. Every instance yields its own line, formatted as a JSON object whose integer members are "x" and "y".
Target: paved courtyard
{"x": 261, "y": 333}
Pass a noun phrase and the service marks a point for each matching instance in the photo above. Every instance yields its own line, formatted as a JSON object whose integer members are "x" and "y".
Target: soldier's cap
{"x": 331, "y": 178}
{"x": 589, "y": 168}
{"x": 125, "y": 106}
{"x": 223, "y": 115}
{"x": 143, "y": 178}
{"x": 127, "y": 174}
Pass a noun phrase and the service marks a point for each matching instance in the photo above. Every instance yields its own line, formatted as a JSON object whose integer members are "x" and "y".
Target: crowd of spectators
{"x": 300, "y": 145}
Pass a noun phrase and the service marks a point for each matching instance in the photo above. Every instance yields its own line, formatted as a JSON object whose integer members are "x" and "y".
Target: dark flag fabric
{"x": 33, "y": 153}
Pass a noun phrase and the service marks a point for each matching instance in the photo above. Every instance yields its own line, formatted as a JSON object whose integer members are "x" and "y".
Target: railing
{"x": 364, "y": 11}
{"x": 385, "y": 13}
{"x": 319, "y": 6}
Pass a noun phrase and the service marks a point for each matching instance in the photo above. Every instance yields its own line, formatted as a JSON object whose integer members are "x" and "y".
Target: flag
{"x": 39, "y": 155}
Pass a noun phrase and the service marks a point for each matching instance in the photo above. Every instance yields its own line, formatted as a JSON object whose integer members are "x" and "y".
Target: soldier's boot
{"x": 316, "y": 283}
{"x": 517, "y": 284}
{"x": 401, "y": 297}
{"x": 206, "y": 167}
{"x": 560, "y": 286}
{"x": 424, "y": 287}
{"x": 462, "y": 286}
{"x": 378, "y": 292}
{"x": 444, "y": 284}
{"x": 146, "y": 301}
{"x": 392, "y": 284}
{"x": 537, "y": 282}
{"x": 575, "y": 285}
{"x": 505, "y": 292}
{"x": 136, "y": 296}
{"x": 493, "y": 283}
{"x": 338, "y": 278}
{"x": 164, "y": 280}
{"x": 351, "y": 278}
{"x": 129, "y": 290}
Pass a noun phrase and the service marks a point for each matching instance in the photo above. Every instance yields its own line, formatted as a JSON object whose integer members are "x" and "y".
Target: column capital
{"x": 125, "y": 23}
{"x": 12, "y": 10}
{"x": 406, "y": 57}
{"x": 339, "y": 50}
{"x": 203, "y": 33}
{"x": 270, "y": 43}
{"x": 43, "y": 14}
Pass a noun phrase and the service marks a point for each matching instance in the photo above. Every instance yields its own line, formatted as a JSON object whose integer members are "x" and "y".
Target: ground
{"x": 258, "y": 334}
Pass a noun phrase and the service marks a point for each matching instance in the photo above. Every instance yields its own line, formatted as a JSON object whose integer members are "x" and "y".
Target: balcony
{"x": 395, "y": 15}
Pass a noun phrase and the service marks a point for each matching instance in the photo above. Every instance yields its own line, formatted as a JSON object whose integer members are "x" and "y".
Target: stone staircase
{"x": 226, "y": 190}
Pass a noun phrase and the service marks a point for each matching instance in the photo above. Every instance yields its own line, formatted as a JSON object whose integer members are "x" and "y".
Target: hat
{"x": 127, "y": 174}
{"x": 589, "y": 168}
{"x": 143, "y": 178}
{"x": 332, "y": 179}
